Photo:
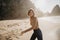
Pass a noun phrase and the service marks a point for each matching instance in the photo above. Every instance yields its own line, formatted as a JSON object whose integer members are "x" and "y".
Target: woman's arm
{"x": 27, "y": 30}
{"x": 31, "y": 27}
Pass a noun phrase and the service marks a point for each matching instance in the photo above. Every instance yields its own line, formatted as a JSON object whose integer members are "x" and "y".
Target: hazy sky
{"x": 45, "y": 5}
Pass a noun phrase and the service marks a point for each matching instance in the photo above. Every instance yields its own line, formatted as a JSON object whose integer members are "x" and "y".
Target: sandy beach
{"x": 10, "y": 29}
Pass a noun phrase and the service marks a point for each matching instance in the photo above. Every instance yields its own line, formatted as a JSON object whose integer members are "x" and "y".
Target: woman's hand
{"x": 22, "y": 33}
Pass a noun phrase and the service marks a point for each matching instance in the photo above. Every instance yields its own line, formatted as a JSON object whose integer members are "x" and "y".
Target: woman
{"x": 34, "y": 26}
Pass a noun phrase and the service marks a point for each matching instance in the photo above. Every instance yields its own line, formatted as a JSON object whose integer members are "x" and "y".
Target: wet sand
{"x": 10, "y": 29}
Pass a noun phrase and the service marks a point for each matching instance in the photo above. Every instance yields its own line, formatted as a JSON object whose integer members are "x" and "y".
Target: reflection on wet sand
{"x": 10, "y": 29}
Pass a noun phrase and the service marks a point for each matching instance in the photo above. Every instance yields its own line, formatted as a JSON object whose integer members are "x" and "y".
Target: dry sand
{"x": 10, "y": 29}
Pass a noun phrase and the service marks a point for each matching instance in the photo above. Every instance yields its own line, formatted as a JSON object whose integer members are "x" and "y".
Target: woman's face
{"x": 31, "y": 13}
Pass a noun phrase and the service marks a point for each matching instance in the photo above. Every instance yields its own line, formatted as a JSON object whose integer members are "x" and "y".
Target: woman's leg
{"x": 39, "y": 35}
{"x": 33, "y": 36}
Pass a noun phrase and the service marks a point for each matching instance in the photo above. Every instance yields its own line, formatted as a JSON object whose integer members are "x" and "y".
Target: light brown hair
{"x": 30, "y": 11}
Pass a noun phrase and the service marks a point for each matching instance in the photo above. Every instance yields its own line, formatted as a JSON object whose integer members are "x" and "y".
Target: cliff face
{"x": 17, "y": 9}
{"x": 55, "y": 11}
{"x": 14, "y": 9}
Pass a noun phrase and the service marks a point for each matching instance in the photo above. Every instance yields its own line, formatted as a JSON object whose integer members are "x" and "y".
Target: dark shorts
{"x": 37, "y": 34}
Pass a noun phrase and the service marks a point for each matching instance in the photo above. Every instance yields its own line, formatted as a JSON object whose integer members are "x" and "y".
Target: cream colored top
{"x": 34, "y": 23}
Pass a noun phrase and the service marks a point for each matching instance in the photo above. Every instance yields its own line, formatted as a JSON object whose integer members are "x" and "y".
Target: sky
{"x": 45, "y": 5}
